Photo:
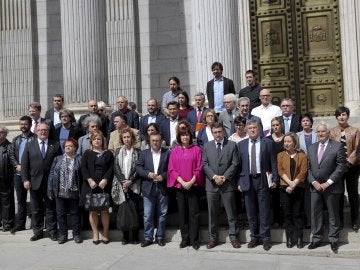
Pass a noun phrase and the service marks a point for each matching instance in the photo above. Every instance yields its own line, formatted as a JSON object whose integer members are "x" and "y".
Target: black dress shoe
{"x": 77, "y": 239}
{"x": 355, "y": 227}
{"x": 253, "y": 243}
{"x": 62, "y": 240}
{"x": 289, "y": 243}
{"x": 146, "y": 243}
{"x": 300, "y": 243}
{"x": 314, "y": 245}
{"x": 17, "y": 229}
{"x": 96, "y": 242}
{"x": 36, "y": 237}
{"x": 266, "y": 245}
{"x": 161, "y": 242}
{"x": 183, "y": 244}
{"x": 6, "y": 228}
{"x": 196, "y": 245}
{"x": 334, "y": 246}
{"x": 125, "y": 242}
{"x": 106, "y": 241}
{"x": 53, "y": 237}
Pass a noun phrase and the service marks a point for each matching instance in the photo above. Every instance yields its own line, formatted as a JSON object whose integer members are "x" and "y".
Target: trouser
{"x": 63, "y": 207}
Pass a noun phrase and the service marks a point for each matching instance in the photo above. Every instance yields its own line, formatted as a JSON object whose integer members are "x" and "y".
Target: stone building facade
{"x": 104, "y": 48}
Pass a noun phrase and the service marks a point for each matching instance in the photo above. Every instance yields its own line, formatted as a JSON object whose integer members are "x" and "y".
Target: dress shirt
{"x": 209, "y": 134}
{"x": 219, "y": 95}
{"x": 151, "y": 118}
{"x": 266, "y": 114}
{"x": 169, "y": 96}
{"x": 288, "y": 120}
{"x": 40, "y": 144}
{"x": 329, "y": 181}
{"x": 126, "y": 163}
{"x": 173, "y": 124}
{"x": 56, "y": 117}
{"x": 257, "y": 147}
{"x": 156, "y": 159}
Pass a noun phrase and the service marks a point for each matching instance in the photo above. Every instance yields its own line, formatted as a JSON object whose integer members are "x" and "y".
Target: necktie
{"x": 253, "y": 169}
{"x": 286, "y": 122}
{"x": 218, "y": 149}
{"x": 199, "y": 116}
{"x": 321, "y": 152}
{"x": 43, "y": 152}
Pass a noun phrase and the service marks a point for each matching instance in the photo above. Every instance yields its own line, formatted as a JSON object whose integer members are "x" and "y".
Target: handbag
{"x": 97, "y": 201}
{"x": 116, "y": 192}
{"x": 127, "y": 217}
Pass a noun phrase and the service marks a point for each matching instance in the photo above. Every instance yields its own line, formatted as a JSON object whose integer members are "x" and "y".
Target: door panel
{"x": 296, "y": 52}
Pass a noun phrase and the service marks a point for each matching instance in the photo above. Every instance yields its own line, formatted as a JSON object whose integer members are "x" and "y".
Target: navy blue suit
{"x": 165, "y": 130}
{"x": 192, "y": 116}
{"x": 202, "y": 137}
{"x": 144, "y": 123}
{"x": 256, "y": 189}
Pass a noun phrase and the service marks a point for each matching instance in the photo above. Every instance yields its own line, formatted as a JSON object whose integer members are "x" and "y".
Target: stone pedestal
{"x": 83, "y": 30}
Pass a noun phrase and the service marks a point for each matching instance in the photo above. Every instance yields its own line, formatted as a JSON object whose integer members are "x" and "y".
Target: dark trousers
{"x": 292, "y": 204}
{"x": 7, "y": 206}
{"x": 188, "y": 206}
{"x": 21, "y": 196}
{"x": 63, "y": 207}
{"x": 351, "y": 179}
{"x": 135, "y": 233}
{"x": 277, "y": 211}
{"x": 40, "y": 203}
{"x": 257, "y": 202}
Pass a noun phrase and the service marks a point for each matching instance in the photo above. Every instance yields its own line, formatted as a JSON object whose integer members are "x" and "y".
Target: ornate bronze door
{"x": 296, "y": 52}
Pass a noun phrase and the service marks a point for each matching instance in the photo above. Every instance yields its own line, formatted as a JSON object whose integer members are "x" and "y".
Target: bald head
{"x": 265, "y": 97}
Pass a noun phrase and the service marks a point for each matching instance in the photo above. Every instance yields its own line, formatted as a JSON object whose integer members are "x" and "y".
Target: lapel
{"x": 328, "y": 149}
{"x": 315, "y": 152}
{"x": 149, "y": 158}
{"x": 245, "y": 152}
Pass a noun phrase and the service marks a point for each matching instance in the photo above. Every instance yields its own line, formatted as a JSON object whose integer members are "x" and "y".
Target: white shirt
{"x": 266, "y": 114}
{"x": 173, "y": 124}
{"x": 56, "y": 117}
{"x": 156, "y": 160}
{"x": 209, "y": 134}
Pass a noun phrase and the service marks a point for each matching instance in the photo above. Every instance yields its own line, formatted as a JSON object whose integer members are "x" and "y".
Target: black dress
{"x": 96, "y": 166}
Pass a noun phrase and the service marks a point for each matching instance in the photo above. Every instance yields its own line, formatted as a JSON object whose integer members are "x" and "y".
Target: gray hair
{"x": 323, "y": 123}
{"x": 91, "y": 118}
{"x": 200, "y": 94}
{"x": 3, "y": 128}
{"x": 101, "y": 104}
{"x": 244, "y": 98}
{"x": 231, "y": 96}
{"x": 253, "y": 122}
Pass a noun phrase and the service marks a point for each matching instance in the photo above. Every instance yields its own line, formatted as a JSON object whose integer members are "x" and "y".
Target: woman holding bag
{"x": 97, "y": 167}
{"x": 125, "y": 173}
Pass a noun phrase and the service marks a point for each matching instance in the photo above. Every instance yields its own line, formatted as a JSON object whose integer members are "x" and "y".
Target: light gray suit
{"x": 332, "y": 166}
{"x": 225, "y": 165}
{"x": 227, "y": 121}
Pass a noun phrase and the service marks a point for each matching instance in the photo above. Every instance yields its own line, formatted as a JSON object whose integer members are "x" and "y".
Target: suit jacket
{"x": 49, "y": 114}
{"x": 228, "y": 121}
{"x": 144, "y": 123}
{"x": 132, "y": 120}
{"x": 226, "y": 165}
{"x": 295, "y": 125}
{"x": 192, "y": 117}
{"x": 332, "y": 166}
{"x": 165, "y": 130}
{"x": 267, "y": 163}
{"x": 302, "y": 144}
{"x": 228, "y": 88}
{"x": 33, "y": 167}
{"x": 145, "y": 165}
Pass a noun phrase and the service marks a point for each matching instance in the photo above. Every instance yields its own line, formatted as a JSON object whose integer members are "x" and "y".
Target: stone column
{"x": 350, "y": 44}
{"x": 120, "y": 28}
{"x": 16, "y": 58}
{"x": 83, "y": 30}
{"x": 245, "y": 44}
{"x": 215, "y": 38}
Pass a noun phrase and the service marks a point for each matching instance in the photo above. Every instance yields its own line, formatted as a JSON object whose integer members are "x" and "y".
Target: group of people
{"x": 284, "y": 170}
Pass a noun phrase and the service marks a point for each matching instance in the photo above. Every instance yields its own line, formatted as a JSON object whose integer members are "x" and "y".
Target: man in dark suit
{"x": 53, "y": 113}
{"x": 218, "y": 87}
{"x": 244, "y": 106}
{"x": 290, "y": 119}
{"x": 257, "y": 164}
{"x": 168, "y": 125}
{"x": 220, "y": 161}
{"x": 123, "y": 107}
{"x": 152, "y": 168}
{"x": 154, "y": 116}
{"x": 35, "y": 167}
{"x": 35, "y": 114}
{"x": 196, "y": 116}
{"x": 327, "y": 164}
